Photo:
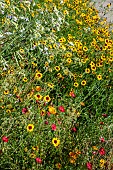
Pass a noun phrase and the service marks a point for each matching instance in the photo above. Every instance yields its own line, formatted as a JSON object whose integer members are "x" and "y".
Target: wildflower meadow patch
{"x": 56, "y": 86}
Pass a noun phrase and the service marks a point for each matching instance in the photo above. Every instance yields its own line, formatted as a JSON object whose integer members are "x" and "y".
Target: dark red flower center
{"x": 39, "y": 75}
{"x": 47, "y": 98}
{"x": 55, "y": 141}
{"x": 38, "y": 96}
{"x": 30, "y": 127}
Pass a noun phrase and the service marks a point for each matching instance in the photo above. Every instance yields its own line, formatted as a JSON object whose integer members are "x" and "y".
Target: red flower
{"x": 101, "y": 123}
{"x": 53, "y": 127}
{"x": 102, "y": 139}
{"x": 72, "y": 94}
{"x": 59, "y": 121}
{"x": 89, "y": 166}
{"x": 37, "y": 101}
{"x": 94, "y": 152}
{"x": 39, "y": 160}
{"x": 24, "y": 110}
{"x": 61, "y": 108}
{"x": 105, "y": 115}
{"x": 74, "y": 129}
{"x": 5, "y": 139}
{"x": 102, "y": 151}
{"x": 45, "y": 104}
{"x": 46, "y": 122}
{"x": 48, "y": 113}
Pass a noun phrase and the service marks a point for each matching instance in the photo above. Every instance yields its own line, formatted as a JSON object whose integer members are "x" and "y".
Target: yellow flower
{"x": 38, "y": 88}
{"x": 32, "y": 14}
{"x": 72, "y": 161}
{"x": 58, "y": 165}
{"x": 34, "y": 64}
{"x": 8, "y": 111}
{"x": 59, "y": 75}
{"x": 51, "y": 57}
{"x": 87, "y": 70}
{"x": 76, "y": 84}
{"x": 92, "y": 63}
{"x": 2, "y": 107}
{"x": 63, "y": 47}
{"x": 25, "y": 79}
{"x": 83, "y": 83}
{"x": 38, "y": 96}
{"x": 95, "y": 148}
{"x": 55, "y": 142}
{"x": 38, "y": 5}
{"x": 32, "y": 155}
{"x": 53, "y": 30}
{"x": 93, "y": 68}
{"x": 57, "y": 68}
{"x": 50, "y": 46}
{"x": 6, "y": 92}
{"x": 54, "y": 46}
{"x": 103, "y": 57}
{"x": 47, "y": 98}
{"x": 46, "y": 64}
{"x": 80, "y": 75}
{"x": 108, "y": 5}
{"x": 110, "y": 59}
{"x": 8, "y": 2}
{"x": 25, "y": 149}
{"x": 65, "y": 12}
{"x": 43, "y": 112}
{"x": 111, "y": 53}
{"x": 102, "y": 162}
{"x": 61, "y": 40}
{"x": 82, "y": 103}
{"x": 69, "y": 60}
{"x": 78, "y": 114}
{"x": 73, "y": 155}
{"x": 78, "y": 152}
{"x": 38, "y": 75}
{"x": 51, "y": 109}
{"x": 51, "y": 85}
{"x": 44, "y": 42}
{"x": 99, "y": 77}
{"x": 21, "y": 50}
{"x": 35, "y": 148}
{"x": 29, "y": 95}
{"x": 85, "y": 48}
{"x": 15, "y": 90}
{"x": 30, "y": 127}
{"x": 68, "y": 54}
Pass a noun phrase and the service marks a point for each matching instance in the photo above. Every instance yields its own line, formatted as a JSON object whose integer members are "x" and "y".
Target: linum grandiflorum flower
{"x": 105, "y": 115}
{"x": 74, "y": 129}
{"x": 72, "y": 94}
{"x": 24, "y": 110}
{"x": 102, "y": 139}
{"x": 39, "y": 160}
{"x": 30, "y": 127}
{"x": 89, "y": 165}
{"x": 53, "y": 127}
{"x": 61, "y": 109}
{"x": 5, "y": 139}
{"x": 102, "y": 151}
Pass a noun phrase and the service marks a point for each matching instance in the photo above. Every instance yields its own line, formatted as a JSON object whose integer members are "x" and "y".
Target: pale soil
{"x": 101, "y": 5}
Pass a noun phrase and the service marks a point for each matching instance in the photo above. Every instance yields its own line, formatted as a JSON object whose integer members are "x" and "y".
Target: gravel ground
{"x": 101, "y": 5}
